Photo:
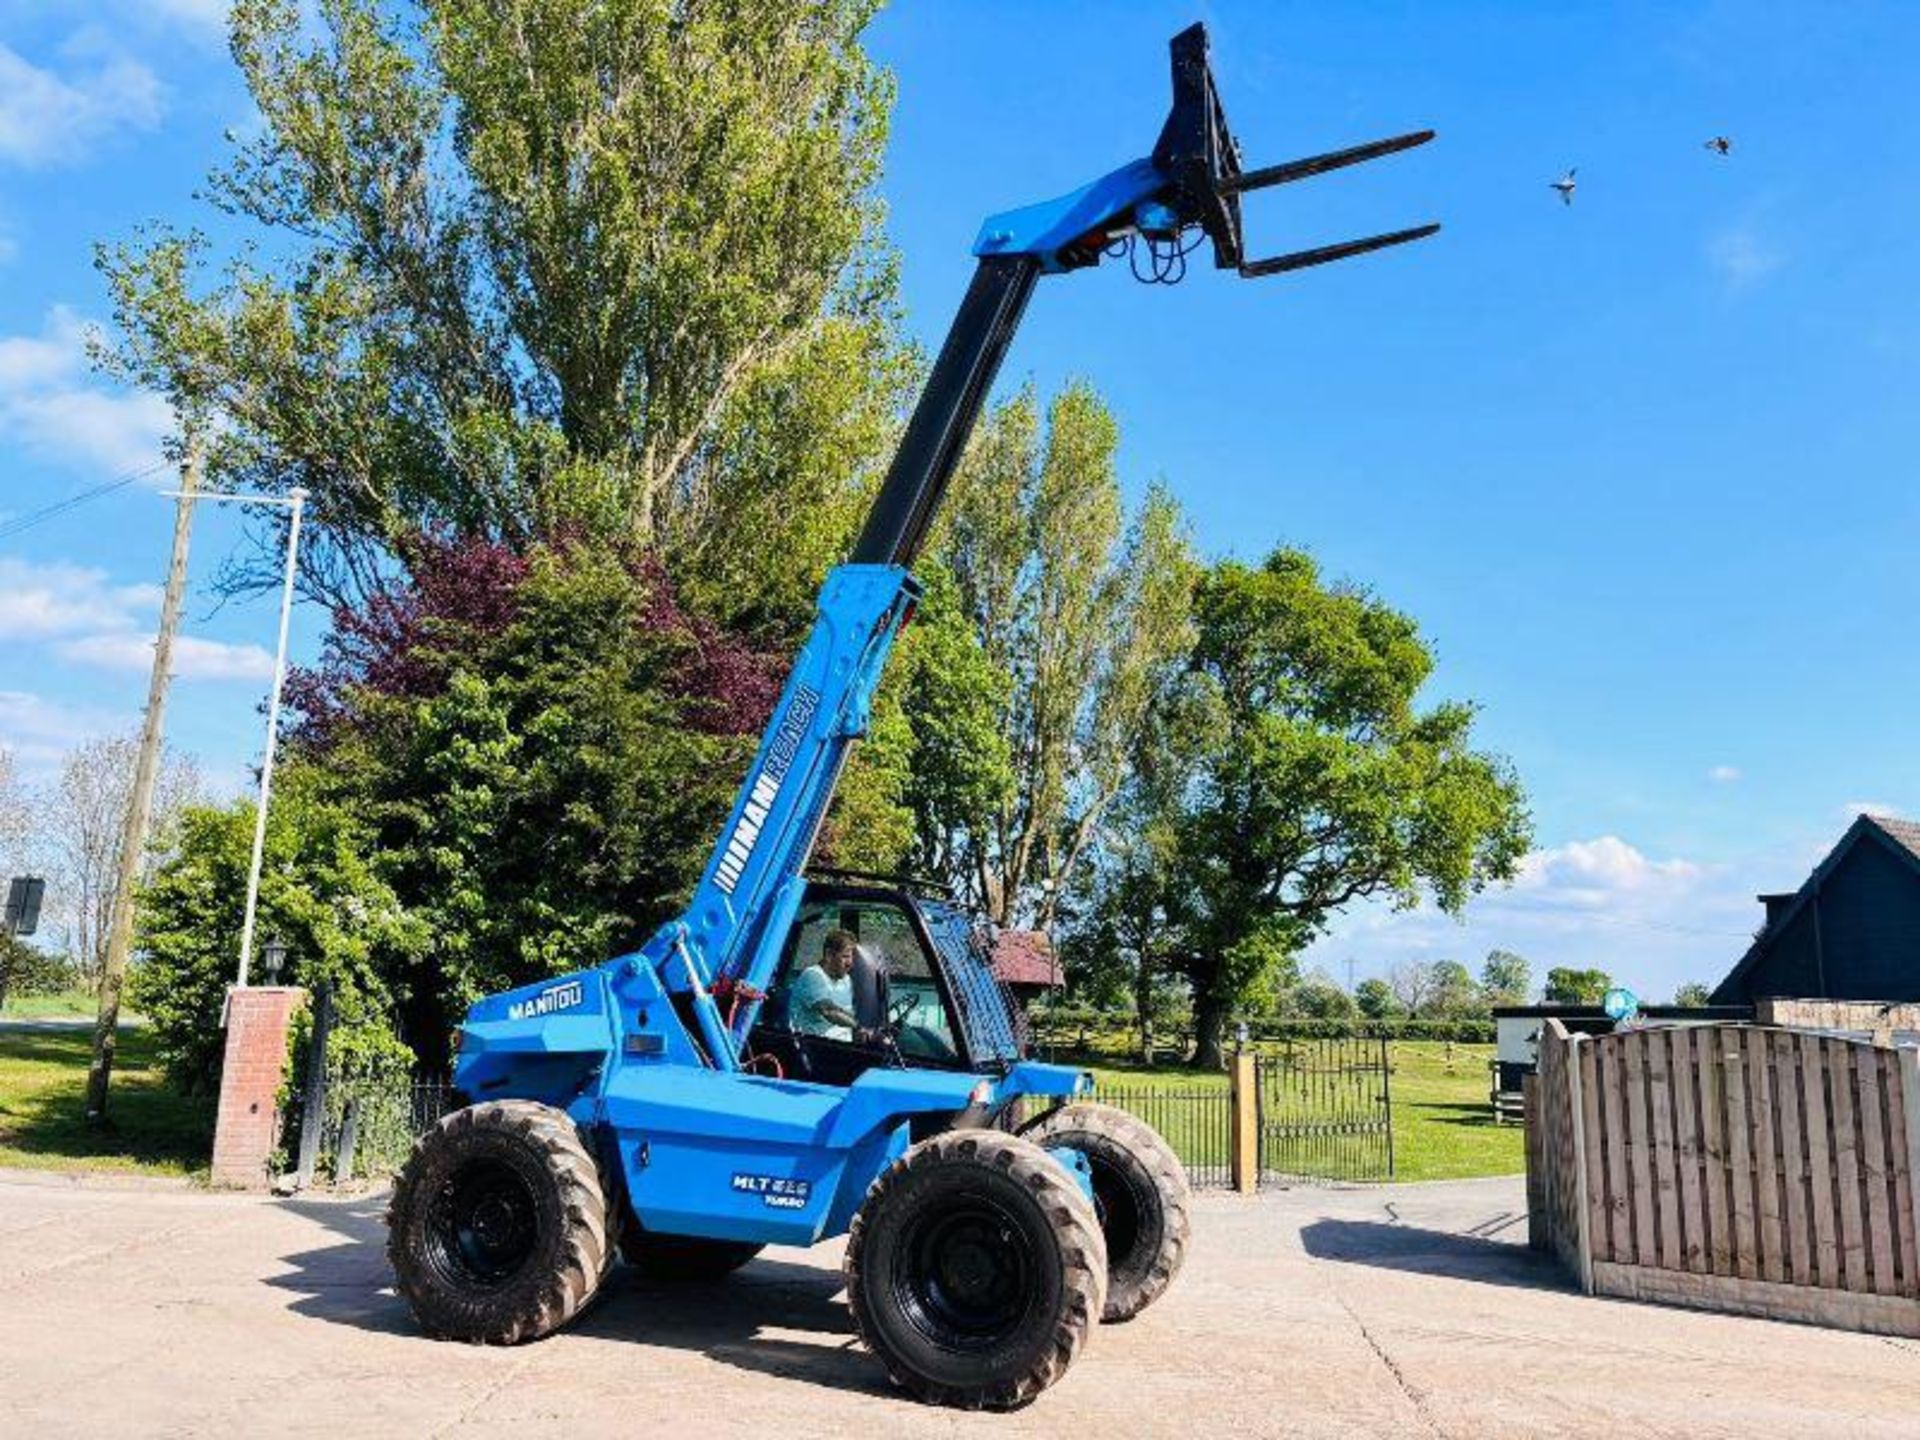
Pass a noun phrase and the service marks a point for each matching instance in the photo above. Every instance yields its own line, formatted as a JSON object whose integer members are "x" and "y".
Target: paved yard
{"x": 1412, "y": 1310}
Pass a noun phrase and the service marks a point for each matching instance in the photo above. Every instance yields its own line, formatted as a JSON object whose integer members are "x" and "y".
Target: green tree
{"x": 1319, "y": 997}
{"x": 543, "y": 774}
{"x": 1454, "y": 992}
{"x": 320, "y": 892}
{"x": 1567, "y": 986}
{"x": 1085, "y": 613}
{"x": 1375, "y": 999}
{"x": 1506, "y": 978}
{"x": 1693, "y": 994}
{"x": 532, "y": 264}
{"x": 1325, "y": 782}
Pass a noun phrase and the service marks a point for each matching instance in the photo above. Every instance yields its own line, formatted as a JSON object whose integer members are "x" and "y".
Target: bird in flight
{"x": 1565, "y": 185}
{"x": 1721, "y": 145}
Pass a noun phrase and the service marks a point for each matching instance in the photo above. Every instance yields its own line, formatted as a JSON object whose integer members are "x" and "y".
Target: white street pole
{"x": 298, "y": 497}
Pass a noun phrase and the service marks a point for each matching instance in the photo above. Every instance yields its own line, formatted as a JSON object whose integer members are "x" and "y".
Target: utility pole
{"x": 133, "y": 834}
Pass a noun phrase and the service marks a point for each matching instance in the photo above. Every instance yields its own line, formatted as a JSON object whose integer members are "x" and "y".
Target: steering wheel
{"x": 900, "y": 1009}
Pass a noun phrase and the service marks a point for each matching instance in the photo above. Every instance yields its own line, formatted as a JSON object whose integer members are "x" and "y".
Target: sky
{"x": 1640, "y": 466}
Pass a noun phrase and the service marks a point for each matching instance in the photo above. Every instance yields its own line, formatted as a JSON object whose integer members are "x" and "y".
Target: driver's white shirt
{"x": 810, "y": 988}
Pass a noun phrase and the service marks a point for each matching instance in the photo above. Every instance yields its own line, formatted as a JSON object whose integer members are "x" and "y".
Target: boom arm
{"x": 752, "y": 886}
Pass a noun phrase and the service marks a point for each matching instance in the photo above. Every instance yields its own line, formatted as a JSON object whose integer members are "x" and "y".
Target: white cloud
{"x": 193, "y": 657}
{"x": 1870, "y": 807}
{"x": 1742, "y": 257}
{"x": 55, "y": 116}
{"x": 49, "y": 407}
{"x": 1590, "y": 874}
{"x": 1601, "y": 903}
{"x": 1724, "y": 774}
{"x": 37, "y": 601}
{"x": 39, "y": 731}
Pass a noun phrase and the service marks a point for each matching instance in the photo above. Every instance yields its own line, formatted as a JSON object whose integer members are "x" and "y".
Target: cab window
{"x": 905, "y": 1010}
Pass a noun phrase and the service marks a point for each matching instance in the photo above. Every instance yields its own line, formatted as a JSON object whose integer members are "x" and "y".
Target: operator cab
{"x": 919, "y": 989}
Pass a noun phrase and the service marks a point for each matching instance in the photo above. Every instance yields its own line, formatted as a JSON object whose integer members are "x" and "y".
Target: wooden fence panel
{"x": 1819, "y": 1129}
{"x": 1783, "y": 1060}
{"x": 1766, "y": 1157}
{"x": 1753, "y": 1167}
{"x": 1846, "y": 1163}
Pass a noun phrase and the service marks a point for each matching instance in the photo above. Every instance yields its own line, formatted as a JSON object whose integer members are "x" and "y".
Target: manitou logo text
{"x": 555, "y": 997}
{"x": 766, "y": 785}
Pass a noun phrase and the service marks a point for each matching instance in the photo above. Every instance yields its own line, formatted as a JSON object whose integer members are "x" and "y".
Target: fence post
{"x": 1571, "y": 1060}
{"x": 349, "y": 1140}
{"x": 1244, "y": 1090}
{"x": 1910, "y": 1107}
{"x": 315, "y": 1111}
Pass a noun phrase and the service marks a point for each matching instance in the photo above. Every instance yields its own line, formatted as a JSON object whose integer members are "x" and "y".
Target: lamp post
{"x": 273, "y": 955}
{"x": 295, "y": 499}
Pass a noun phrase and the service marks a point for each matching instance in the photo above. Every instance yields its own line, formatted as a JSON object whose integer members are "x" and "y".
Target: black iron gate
{"x": 1325, "y": 1110}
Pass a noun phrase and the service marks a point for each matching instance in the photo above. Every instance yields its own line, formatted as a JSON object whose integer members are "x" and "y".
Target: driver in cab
{"x": 822, "y": 1001}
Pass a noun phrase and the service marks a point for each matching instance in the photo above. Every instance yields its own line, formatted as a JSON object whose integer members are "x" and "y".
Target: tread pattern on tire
{"x": 588, "y": 1246}
{"x": 1076, "y": 1227}
{"x": 1128, "y": 1296}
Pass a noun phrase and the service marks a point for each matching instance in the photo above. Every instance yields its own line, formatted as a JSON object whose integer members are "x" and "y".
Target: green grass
{"x": 80, "y": 1003}
{"x": 1442, "y": 1125}
{"x": 43, "y": 1081}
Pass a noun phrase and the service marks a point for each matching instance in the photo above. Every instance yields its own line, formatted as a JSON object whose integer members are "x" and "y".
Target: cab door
{"x": 917, "y": 1027}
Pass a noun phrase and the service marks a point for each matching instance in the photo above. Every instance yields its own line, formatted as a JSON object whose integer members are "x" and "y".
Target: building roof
{"x": 1901, "y": 837}
{"x": 1023, "y": 957}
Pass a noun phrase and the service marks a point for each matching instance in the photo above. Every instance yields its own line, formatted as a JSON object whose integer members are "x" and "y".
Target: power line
{"x": 13, "y": 527}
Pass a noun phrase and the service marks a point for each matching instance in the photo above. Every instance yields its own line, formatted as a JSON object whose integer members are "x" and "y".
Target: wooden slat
{"x": 1846, "y": 1166}
{"x": 1793, "y": 1157}
{"x": 1686, "y": 1149}
{"x": 1819, "y": 1130}
{"x": 1633, "y": 1046}
{"x": 1613, "y": 1119}
{"x": 1900, "y": 1163}
{"x": 1766, "y": 1160}
{"x": 1591, "y": 1136}
{"x": 1666, "y": 1178}
{"x": 1881, "y": 1231}
{"x": 1746, "y": 1260}
{"x": 1909, "y": 1066}
{"x": 1713, "y": 1144}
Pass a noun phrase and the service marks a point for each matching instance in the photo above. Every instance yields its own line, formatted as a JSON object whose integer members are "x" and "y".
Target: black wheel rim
{"x": 482, "y": 1224}
{"x": 966, "y": 1274}
{"x": 1118, "y": 1204}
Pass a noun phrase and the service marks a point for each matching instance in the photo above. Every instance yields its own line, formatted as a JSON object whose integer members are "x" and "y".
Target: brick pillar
{"x": 250, "y": 1075}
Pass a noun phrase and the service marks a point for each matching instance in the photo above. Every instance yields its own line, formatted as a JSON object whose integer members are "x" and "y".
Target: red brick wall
{"x": 250, "y": 1077}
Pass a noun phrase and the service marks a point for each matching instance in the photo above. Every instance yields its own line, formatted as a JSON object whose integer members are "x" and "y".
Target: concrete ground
{"x": 1409, "y": 1310}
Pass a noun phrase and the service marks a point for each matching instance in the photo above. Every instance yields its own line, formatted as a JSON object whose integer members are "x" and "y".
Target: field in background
{"x": 1442, "y": 1126}
{"x": 43, "y": 1081}
{"x": 77, "y": 1004}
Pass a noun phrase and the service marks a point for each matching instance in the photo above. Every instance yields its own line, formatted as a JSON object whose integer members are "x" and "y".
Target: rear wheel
{"x": 1140, "y": 1192}
{"x": 683, "y": 1258}
{"x": 498, "y": 1227}
{"x": 975, "y": 1270}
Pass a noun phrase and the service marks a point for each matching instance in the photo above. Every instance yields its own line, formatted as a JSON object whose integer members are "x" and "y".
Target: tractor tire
{"x": 498, "y": 1231}
{"x": 975, "y": 1270}
{"x": 1140, "y": 1193}
{"x": 683, "y": 1259}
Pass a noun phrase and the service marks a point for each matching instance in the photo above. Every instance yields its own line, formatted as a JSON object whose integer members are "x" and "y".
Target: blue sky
{"x": 1642, "y": 467}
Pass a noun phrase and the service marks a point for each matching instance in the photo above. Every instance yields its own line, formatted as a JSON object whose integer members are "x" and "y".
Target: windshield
{"x": 985, "y": 1011}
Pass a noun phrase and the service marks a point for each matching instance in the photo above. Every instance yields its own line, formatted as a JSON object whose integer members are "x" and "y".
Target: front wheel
{"x": 1140, "y": 1191}
{"x": 498, "y": 1227}
{"x": 975, "y": 1270}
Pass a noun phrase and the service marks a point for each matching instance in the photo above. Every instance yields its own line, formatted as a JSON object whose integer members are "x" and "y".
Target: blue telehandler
{"x": 806, "y": 1054}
